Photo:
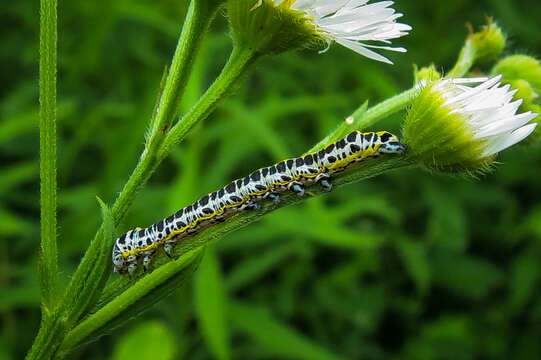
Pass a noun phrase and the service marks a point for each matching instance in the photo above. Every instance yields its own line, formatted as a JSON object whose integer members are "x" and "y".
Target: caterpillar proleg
{"x": 139, "y": 245}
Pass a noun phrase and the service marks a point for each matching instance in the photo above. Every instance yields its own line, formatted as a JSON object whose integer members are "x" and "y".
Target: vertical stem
{"x": 51, "y": 329}
{"x": 198, "y": 18}
{"x": 47, "y": 126}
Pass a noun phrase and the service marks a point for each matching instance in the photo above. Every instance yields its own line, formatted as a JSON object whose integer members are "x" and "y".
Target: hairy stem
{"x": 199, "y": 16}
{"x": 48, "y": 272}
{"x": 131, "y": 302}
{"x": 50, "y": 335}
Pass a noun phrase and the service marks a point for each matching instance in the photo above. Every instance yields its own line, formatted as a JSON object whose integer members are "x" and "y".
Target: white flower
{"x": 352, "y": 23}
{"x": 489, "y": 111}
{"x": 459, "y": 125}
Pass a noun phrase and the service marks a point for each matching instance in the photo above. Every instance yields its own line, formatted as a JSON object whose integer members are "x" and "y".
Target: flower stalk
{"x": 48, "y": 264}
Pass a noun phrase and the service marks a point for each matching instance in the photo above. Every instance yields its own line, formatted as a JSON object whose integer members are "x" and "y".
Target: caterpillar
{"x": 140, "y": 244}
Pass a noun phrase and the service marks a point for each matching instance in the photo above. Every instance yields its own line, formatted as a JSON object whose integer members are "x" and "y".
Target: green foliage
{"x": 151, "y": 339}
{"x": 211, "y": 301}
{"x": 404, "y": 266}
{"x": 275, "y": 338}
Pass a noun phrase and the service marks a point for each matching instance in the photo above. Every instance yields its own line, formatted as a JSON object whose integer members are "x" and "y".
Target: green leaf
{"x": 276, "y": 337}
{"x": 90, "y": 277}
{"x": 149, "y": 340}
{"x": 447, "y": 224}
{"x": 466, "y": 276}
{"x": 257, "y": 265}
{"x": 211, "y": 305}
{"x": 414, "y": 258}
{"x": 15, "y": 175}
{"x": 525, "y": 274}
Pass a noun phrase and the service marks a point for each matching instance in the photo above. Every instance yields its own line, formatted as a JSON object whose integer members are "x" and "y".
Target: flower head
{"x": 355, "y": 24}
{"x": 454, "y": 127}
{"x": 489, "y": 42}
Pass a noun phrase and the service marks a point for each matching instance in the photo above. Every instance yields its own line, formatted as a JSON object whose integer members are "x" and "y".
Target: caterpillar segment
{"x": 138, "y": 246}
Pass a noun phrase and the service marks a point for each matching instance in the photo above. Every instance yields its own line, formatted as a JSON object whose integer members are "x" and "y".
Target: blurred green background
{"x": 407, "y": 265}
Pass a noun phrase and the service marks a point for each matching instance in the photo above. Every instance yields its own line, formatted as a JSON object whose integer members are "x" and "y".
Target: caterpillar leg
{"x": 131, "y": 269}
{"x": 253, "y": 206}
{"x": 217, "y": 219}
{"x": 146, "y": 261}
{"x": 326, "y": 184}
{"x": 297, "y": 188}
{"x": 168, "y": 250}
{"x": 275, "y": 198}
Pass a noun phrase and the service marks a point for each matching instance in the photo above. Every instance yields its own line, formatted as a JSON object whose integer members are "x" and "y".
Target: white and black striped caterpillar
{"x": 139, "y": 245}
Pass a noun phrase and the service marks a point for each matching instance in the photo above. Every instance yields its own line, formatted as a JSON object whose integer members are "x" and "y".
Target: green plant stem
{"x": 363, "y": 118}
{"x": 238, "y": 65}
{"x": 51, "y": 332}
{"x": 465, "y": 61}
{"x": 48, "y": 272}
{"x": 198, "y": 18}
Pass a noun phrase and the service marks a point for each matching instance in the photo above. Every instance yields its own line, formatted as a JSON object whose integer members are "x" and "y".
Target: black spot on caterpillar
{"x": 139, "y": 245}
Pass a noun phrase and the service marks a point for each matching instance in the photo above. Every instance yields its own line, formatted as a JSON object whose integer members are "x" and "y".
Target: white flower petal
{"x": 360, "y": 49}
{"x": 489, "y": 110}
{"x": 502, "y": 142}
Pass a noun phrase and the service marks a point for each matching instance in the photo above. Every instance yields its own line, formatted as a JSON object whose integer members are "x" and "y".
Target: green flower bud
{"x": 523, "y": 72}
{"x": 456, "y": 128}
{"x": 520, "y": 67}
{"x": 525, "y": 91}
{"x": 488, "y": 43}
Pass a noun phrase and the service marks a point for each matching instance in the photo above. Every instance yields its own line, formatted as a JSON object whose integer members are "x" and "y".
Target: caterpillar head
{"x": 390, "y": 144}
{"x": 124, "y": 264}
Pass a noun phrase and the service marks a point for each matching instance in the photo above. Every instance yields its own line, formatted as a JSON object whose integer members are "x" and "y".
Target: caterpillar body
{"x": 140, "y": 244}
